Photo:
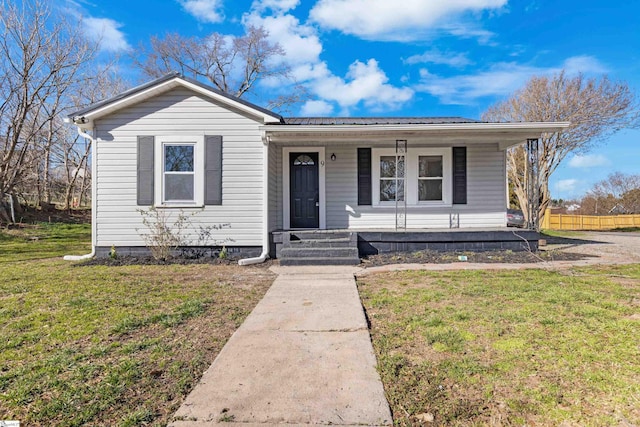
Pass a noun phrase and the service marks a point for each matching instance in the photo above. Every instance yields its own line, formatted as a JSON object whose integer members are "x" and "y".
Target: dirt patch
{"x": 31, "y": 215}
{"x": 608, "y": 246}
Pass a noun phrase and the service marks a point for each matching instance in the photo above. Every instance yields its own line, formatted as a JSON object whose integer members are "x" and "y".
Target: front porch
{"x": 329, "y": 244}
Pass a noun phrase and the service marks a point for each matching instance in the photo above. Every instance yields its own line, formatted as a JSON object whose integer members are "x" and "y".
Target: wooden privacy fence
{"x": 588, "y": 222}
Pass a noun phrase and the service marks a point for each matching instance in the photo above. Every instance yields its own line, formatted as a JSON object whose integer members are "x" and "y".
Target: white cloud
{"x": 387, "y": 20}
{"x": 588, "y": 161}
{"x": 278, "y": 6}
{"x": 457, "y": 60}
{"x": 316, "y": 108}
{"x": 300, "y": 42}
{"x": 502, "y": 79}
{"x": 364, "y": 82}
{"x": 107, "y": 32}
{"x": 567, "y": 186}
{"x": 467, "y": 30}
{"x": 208, "y": 11}
{"x": 583, "y": 64}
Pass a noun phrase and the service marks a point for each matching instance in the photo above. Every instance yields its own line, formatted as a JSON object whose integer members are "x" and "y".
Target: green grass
{"x": 560, "y": 233}
{"x": 98, "y": 345}
{"x": 527, "y": 347}
{"x": 44, "y": 240}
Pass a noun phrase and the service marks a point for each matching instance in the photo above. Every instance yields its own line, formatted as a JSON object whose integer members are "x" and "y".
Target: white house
{"x": 182, "y": 146}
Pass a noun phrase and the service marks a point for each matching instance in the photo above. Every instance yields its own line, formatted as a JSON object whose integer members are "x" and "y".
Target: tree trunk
{"x": 47, "y": 164}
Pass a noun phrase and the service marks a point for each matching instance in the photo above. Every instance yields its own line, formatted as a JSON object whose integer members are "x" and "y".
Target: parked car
{"x": 515, "y": 218}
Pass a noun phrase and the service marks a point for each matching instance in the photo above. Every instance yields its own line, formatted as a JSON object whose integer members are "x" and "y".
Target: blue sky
{"x": 410, "y": 57}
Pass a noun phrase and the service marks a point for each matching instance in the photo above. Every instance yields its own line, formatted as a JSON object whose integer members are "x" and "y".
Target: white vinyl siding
{"x": 486, "y": 192}
{"x": 178, "y": 113}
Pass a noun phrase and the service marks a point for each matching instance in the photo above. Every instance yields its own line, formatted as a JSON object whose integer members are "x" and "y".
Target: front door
{"x": 304, "y": 189}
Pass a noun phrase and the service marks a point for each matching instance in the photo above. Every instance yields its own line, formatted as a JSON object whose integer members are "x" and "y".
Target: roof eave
{"x": 533, "y": 127}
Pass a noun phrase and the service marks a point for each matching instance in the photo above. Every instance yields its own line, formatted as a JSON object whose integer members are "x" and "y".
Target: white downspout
{"x": 265, "y": 206}
{"x": 90, "y": 255}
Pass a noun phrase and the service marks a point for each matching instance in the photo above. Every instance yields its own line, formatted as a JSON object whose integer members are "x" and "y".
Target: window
{"x": 391, "y": 183}
{"x": 423, "y": 176}
{"x": 303, "y": 160}
{"x": 179, "y": 173}
{"x": 430, "y": 178}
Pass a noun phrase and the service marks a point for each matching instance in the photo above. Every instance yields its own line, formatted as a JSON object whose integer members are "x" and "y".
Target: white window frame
{"x": 377, "y": 153}
{"x": 197, "y": 141}
{"x": 411, "y": 176}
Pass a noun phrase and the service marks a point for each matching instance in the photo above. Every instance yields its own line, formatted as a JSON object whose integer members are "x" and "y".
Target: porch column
{"x": 532, "y": 176}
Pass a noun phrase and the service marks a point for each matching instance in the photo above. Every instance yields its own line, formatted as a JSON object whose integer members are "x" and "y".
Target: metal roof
{"x": 163, "y": 79}
{"x": 338, "y": 121}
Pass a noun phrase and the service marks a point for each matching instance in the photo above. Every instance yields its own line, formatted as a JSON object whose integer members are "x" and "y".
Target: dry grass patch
{"x": 527, "y": 347}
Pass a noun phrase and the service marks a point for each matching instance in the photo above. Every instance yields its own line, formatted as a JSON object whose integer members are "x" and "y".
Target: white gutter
{"x": 476, "y": 126}
{"x": 90, "y": 255}
{"x": 265, "y": 207}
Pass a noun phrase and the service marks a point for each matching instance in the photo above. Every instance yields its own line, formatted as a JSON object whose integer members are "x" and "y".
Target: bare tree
{"x": 231, "y": 64}
{"x": 596, "y": 109}
{"x": 619, "y": 192}
{"x": 42, "y": 57}
{"x": 72, "y": 152}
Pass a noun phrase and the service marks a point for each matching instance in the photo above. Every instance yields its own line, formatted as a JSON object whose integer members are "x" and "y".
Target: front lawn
{"x": 528, "y": 347}
{"x": 99, "y": 345}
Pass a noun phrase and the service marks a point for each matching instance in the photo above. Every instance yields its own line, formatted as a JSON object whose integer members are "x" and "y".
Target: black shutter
{"x": 213, "y": 170}
{"x": 145, "y": 170}
{"x": 460, "y": 175}
{"x": 364, "y": 176}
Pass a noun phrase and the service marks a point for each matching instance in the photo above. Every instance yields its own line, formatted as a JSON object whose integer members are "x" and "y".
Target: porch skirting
{"x": 371, "y": 242}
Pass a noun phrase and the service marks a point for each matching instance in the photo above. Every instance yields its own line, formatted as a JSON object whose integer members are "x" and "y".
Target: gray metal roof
{"x": 329, "y": 121}
{"x": 163, "y": 79}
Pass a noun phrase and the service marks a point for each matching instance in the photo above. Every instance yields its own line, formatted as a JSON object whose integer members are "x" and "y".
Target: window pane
{"x": 387, "y": 167}
{"x": 388, "y": 190}
{"x": 401, "y": 166}
{"x": 429, "y": 189}
{"x": 430, "y": 166}
{"x": 178, "y": 186}
{"x": 303, "y": 160}
{"x": 178, "y": 158}
{"x": 400, "y": 189}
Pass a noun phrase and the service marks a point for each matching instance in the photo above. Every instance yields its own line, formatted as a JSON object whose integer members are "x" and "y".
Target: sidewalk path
{"x": 303, "y": 356}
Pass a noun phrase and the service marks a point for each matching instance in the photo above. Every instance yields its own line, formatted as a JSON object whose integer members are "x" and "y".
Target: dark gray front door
{"x": 304, "y": 189}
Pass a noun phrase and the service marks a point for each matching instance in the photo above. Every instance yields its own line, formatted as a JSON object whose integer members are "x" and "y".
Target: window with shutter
{"x": 179, "y": 171}
{"x": 423, "y": 178}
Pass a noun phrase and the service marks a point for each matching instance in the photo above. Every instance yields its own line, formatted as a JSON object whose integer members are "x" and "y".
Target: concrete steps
{"x": 319, "y": 248}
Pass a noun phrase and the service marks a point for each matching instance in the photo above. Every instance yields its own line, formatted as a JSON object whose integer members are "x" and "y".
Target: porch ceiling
{"x": 505, "y": 134}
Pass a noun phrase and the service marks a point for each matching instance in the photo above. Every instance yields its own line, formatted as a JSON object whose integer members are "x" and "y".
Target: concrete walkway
{"x": 303, "y": 356}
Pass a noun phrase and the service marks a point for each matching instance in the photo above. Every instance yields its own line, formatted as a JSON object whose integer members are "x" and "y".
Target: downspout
{"x": 90, "y": 255}
{"x": 265, "y": 206}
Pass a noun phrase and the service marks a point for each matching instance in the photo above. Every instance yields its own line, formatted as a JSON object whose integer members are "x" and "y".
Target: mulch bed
{"x": 148, "y": 260}
{"x": 421, "y": 257}
{"x": 488, "y": 257}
